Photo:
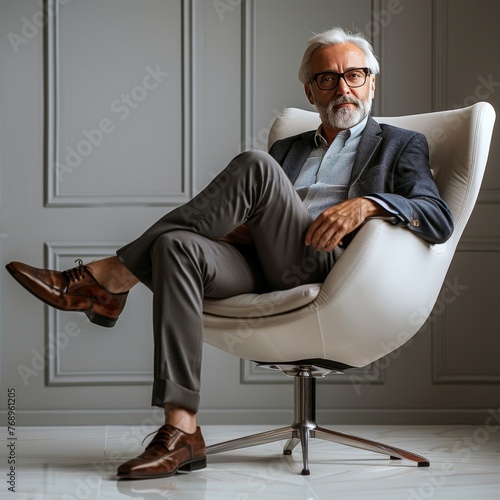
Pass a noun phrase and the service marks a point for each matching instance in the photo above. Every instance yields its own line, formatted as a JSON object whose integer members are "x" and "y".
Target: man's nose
{"x": 342, "y": 87}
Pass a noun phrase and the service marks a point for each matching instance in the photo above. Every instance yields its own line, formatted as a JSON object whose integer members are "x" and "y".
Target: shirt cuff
{"x": 397, "y": 217}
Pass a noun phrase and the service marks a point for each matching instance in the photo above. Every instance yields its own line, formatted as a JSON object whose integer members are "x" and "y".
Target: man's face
{"x": 342, "y": 107}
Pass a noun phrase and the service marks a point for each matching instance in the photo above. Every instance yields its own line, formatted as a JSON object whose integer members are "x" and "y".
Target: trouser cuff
{"x": 168, "y": 392}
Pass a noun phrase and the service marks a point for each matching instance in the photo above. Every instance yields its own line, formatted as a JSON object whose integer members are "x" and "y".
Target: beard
{"x": 345, "y": 118}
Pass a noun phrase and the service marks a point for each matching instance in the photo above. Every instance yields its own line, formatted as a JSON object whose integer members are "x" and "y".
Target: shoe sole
{"x": 97, "y": 319}
{"x": 93, "y": 317}
{"x": 197, "y": 464}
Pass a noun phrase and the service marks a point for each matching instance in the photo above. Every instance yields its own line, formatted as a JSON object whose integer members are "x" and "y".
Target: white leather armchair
{"x": 314, "y": 330}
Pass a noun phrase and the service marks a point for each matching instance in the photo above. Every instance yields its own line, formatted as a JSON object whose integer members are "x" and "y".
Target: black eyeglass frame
{"x": 366, "y": 71}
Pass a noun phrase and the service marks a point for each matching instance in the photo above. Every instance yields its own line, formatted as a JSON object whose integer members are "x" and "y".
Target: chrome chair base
{"x": 304, "y": 426}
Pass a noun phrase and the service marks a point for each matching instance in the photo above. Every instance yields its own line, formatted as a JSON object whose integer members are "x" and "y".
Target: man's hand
{"x": 327, "y": 231}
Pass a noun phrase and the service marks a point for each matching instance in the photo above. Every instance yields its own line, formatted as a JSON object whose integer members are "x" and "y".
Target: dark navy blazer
{"x": 392, "y": 164}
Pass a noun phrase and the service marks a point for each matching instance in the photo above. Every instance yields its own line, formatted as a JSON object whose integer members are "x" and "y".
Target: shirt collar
{"x": 356, "y": 131}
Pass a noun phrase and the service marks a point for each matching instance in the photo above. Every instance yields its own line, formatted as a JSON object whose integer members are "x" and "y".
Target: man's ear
{"x": 309, "y": 93}
{"x": 372, "y": 86}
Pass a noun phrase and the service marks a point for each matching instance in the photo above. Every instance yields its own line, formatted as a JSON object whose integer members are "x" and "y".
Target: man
{"x": 262, "y": 216}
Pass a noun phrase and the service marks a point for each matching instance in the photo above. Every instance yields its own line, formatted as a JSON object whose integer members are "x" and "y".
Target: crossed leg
{"x": 182, "y": 259}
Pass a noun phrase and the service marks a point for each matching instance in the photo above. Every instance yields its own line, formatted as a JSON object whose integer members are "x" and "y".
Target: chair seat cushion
{"x": 251, "y": 305}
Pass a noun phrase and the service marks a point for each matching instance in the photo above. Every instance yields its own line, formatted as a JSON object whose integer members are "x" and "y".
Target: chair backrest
{"x": 458, "y": 143}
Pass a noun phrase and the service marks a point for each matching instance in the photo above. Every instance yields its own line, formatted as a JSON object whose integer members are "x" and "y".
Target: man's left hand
{"x": 327, "y": 231}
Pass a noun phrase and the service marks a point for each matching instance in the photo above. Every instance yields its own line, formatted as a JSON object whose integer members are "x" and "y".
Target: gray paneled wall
{"x": 118, "y": 99}
{"x": 115, "y": 111}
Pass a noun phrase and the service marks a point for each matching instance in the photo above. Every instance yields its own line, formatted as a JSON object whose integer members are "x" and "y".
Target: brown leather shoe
{"x": 169, "y": 451}
{"x": 72, "y": 290}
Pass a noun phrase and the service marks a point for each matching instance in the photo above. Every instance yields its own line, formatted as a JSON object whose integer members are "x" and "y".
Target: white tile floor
{"x": 68, "y": 463}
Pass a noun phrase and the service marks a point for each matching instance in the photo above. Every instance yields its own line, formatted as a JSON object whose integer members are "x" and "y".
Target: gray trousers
{"x": 181, "y": 260}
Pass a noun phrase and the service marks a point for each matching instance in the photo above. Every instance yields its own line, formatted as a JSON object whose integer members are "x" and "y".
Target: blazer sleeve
{"x": 414, "y": 194}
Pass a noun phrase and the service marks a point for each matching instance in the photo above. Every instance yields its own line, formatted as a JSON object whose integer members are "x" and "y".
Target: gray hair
{"x": 336, "y": 36}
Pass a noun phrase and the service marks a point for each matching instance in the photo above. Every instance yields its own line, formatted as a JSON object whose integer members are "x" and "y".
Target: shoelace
{"x": 162, "y": 434}
{"x": 77, "y": 273}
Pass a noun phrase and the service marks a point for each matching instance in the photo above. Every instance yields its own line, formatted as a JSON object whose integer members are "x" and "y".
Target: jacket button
{"x": 414, "y": 222}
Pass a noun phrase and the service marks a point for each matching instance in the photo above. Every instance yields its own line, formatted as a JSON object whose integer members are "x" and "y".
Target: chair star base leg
{"x": 304, "y": 428}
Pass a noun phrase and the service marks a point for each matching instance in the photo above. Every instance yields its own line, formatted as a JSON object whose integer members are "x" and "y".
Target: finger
{"x": 334, "y": 242}
{"x": 311, "y": 233}
{"x": 320, "y": 225}
{"x": 324, "y": 237}
{"x": 315, "y": 232}
{"x": 329, "y": 245}
{"x": 331, "y": 236}
{"x": 326, "y": 240}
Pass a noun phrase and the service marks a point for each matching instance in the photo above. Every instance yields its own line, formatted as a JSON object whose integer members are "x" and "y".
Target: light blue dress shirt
{"x": 324, "y": 178}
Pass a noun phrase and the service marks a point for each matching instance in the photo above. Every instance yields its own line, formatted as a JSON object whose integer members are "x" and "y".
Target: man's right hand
{"x": 327, "y": 231}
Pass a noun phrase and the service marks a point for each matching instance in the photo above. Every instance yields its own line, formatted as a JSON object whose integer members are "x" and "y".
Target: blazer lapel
{"x": 370, "y": 140}
{"x": 297, "y": 156}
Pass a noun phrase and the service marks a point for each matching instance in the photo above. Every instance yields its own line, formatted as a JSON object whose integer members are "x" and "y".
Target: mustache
{"x": 343, "y": 99}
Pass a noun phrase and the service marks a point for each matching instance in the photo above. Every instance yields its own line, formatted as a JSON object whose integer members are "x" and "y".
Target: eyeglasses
{"x": 328, "y": 80}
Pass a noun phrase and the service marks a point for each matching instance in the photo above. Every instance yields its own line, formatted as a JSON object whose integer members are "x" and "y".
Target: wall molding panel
{"x": 248, "y": 66}
{"x": 378, "y": 43}
{"x": 489, "y": 196}
{"x": 57, "y": 167}
{"x": 440, "y": 78}
{"x": 470, "y": 372}
{"x": 60, "y": 332}
{"x": 439, "y": 24}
